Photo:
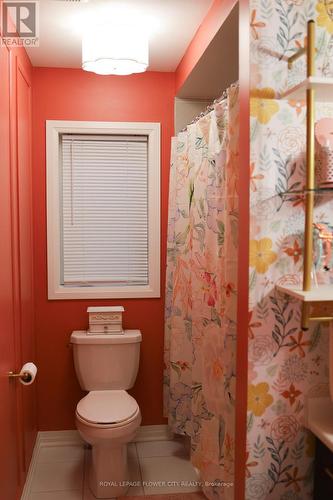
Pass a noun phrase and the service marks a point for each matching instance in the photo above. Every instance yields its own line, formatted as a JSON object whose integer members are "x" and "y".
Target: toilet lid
{"x": 107, "y": 407}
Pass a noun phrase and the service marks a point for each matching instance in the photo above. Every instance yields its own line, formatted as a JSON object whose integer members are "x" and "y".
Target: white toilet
{"x": 108, "y": 417}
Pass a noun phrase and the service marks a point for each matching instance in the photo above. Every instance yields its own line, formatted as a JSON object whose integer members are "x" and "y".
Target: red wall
{"x": 243, "y": 250}
{"x": 68, "y": 94}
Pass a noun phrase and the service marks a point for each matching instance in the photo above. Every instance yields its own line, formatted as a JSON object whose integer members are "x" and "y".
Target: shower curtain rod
{"x": 210, "y": 107}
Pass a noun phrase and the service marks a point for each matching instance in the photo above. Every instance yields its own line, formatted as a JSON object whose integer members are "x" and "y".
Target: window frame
{"x": 54, "y": 130}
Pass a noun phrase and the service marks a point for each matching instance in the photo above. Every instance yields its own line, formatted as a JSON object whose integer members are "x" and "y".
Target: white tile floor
{"x": 60, "y": 471}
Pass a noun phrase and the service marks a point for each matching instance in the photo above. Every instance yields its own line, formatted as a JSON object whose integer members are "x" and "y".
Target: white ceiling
{"x": 171, "y": 23}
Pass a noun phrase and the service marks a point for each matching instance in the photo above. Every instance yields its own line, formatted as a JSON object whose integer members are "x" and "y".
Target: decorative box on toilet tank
{"x": 105, "y": 320}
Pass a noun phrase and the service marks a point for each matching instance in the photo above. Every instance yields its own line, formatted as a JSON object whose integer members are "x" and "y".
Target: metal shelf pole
{"x": 310, "y": 174}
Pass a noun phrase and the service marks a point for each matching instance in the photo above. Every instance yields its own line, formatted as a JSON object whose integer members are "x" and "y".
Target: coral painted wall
{"x": 217, "y": 14}
{"x": 68, "y": 94}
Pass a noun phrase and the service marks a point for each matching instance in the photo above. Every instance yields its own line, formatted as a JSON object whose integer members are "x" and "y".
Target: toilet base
{"x": 106, "y": 469}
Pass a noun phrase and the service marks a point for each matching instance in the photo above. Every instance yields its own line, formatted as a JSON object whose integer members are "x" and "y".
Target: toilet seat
{"x": 107, "y": 408}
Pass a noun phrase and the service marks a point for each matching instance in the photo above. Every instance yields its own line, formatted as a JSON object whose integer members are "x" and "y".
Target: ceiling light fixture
{"x": 115, "y": 50}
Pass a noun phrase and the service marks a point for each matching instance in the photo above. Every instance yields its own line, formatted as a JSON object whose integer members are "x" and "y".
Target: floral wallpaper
{"x": 278, "y": 30}
{"x": 285, "y": 363}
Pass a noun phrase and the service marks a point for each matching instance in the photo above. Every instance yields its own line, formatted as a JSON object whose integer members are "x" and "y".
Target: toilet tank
{"x": 106, "y": 362}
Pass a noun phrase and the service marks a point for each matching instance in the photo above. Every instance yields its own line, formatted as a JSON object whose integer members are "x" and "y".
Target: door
{"x": 25, "y": 257}
{"x": 9, "y": 453}
{"x": 18, "y": 427}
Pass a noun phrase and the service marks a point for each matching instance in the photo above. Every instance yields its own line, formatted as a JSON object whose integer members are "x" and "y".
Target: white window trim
{"x": 54, "y": 129}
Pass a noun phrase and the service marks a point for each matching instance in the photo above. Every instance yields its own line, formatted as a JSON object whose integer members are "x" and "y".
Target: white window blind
{"x": 104, "y": 200}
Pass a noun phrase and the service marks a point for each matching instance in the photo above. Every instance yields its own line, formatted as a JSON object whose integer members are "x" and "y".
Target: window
{"x": 103, "y": 210}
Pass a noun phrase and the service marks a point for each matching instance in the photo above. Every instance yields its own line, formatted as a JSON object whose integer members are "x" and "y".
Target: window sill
{"x": 74, "y": 293}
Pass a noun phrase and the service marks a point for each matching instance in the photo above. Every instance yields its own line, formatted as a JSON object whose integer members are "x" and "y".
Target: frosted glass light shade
{"x": 115, "y": 50}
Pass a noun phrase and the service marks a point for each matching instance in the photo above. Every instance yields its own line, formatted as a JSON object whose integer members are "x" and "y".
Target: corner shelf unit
{"x": 317, "y": 303}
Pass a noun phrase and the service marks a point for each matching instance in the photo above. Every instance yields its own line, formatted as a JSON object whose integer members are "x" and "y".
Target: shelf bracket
{"x": 305, "y": 316}
{"x": 296, "y": 56}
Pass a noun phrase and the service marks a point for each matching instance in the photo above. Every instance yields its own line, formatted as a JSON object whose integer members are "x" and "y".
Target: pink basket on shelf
{"x": 324, "y": 153}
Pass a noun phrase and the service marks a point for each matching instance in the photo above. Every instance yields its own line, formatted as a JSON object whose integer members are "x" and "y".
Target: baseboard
{"x": 32, "y": 467}
{"x": 154, "y": 433}
{"x": 66, "y": 438}
{"x": 59, "y": 438}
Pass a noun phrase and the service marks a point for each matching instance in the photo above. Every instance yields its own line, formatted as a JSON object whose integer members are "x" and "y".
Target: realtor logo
{"x": 20, "y": 23}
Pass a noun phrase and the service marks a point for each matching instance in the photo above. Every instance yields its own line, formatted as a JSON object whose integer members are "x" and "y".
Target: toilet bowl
{"x": 107, "y": 417}
{"x": 108, "y": 421}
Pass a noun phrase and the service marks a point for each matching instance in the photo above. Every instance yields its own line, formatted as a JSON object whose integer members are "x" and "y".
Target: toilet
{"x": 107, "y": 417}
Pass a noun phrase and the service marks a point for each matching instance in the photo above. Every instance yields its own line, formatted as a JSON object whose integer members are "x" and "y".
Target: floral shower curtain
{"x": 201, "y": 294}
